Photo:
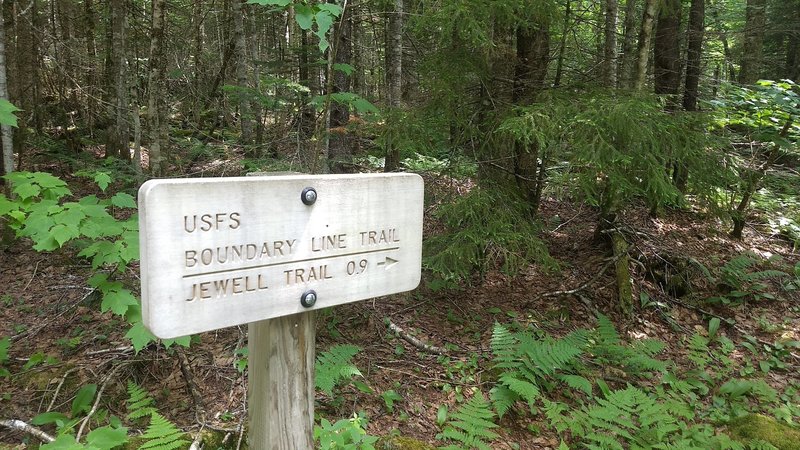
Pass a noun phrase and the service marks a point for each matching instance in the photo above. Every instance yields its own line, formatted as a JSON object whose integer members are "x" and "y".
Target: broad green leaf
{"x": 7, "y": 110}
{"x": 183, "y": 341}
{"x": 304, "y": 16}
{"x": 107, "y": 437}
{"x": 332, "y": 8}
{"x": 139, "y": 336}
{"x": 63, "y": 233}
{"x": 83, "y": 399}
{"x": 4, "y": 344}
{"x": 123, "y": 200}
{"x": 102, "y": 179}
{"x": 118, "y": 301}
{"x": 27, "y": 190}
{"x": 63, "y": 442}
{"x": 346, "y": 69}
{"x": 6, "y": 205}
{"x": 713, "y": 327}
{"x": 49, "y": 417}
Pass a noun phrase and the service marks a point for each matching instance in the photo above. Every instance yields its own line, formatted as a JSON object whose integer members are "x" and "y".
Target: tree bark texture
{"x": 667, "y": 52}
{"x": 118, "y": 135}
{"x": 155, "y": 85}
{"x": 694, "y": 53}
{"x": 7, "y": 160}
{"x": 340, "y": 149}
{"x": 754, "y": 28}
{"x": 643, "y": 46}
{"x": 625, "y": 64}
{"x": 609, "y": 67}
{"x": 245, "y": 110}
{"x": 394, "y": 75}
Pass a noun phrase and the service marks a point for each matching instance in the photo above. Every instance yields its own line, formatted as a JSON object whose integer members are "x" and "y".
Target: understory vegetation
{"x": 611, "y": 226}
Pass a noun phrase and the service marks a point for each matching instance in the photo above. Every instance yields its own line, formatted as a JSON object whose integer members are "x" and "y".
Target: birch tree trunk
{"x": 609, "y": 66}
{"x": 394, "y": 75}
{"x": 155, "y": 80}
{"x": 643, "y": 47}
{"x": 7, "y": 133}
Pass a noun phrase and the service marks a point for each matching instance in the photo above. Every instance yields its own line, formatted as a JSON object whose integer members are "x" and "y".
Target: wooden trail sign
{"x": 220, "y": 252}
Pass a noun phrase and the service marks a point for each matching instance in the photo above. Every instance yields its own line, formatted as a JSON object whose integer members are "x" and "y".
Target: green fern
{"x": 529, "y": 365}
{"x": 162, "y": 435}
{"x": 139, "y": 403}
{"x": 470, "y": 426}
{"x": 335, "y": 366}
{"x": 635, "y": 359}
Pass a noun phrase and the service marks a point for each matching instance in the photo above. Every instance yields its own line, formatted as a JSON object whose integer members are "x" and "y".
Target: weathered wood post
{"x": 270, "y": 251}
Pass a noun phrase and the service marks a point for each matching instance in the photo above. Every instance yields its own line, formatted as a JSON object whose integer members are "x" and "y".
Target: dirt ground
{"x": 47, "y": 309}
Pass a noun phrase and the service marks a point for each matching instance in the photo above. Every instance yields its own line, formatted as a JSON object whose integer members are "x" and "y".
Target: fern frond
{"x": 472, "y": 423}
{"x": 334, "y": 366}
{"x": 606, "y": 330}
{"x": 503, "y": 399}
{"x": 162, "y": 435}
{"x": 577, "y": 382}
{"x": 139, "y": 403}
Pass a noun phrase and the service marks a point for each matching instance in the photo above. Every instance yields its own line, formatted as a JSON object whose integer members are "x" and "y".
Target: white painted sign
{"x": 219, "y": 252}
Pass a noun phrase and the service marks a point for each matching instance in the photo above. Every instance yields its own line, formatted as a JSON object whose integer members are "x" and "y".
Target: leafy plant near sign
{"x": 4, "y": 344}
{"x": 471, "y": 425}
{"x": 40, "y": 209}
{"x": 345, "y": 434}
{"x": 334, "y": 366}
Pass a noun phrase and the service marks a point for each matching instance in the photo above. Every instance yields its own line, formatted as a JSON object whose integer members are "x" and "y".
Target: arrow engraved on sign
{"x": 388, "y": 262}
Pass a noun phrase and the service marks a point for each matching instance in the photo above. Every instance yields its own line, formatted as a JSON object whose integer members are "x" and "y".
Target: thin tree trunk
{"x": 694, "y": 52}
{"x": 155, "y": 81}
{"x": 643, "y": 47}
{"x": 340, "y": 151}
{"x": 394, "y": 72}
{"x": 666, "y": 53}
{"x": 245, "y": 111}
{"x": 118, "y": 131}
{"x": 754, "y": 28}
{"x": 625, "y": 66}
{"x": 90, "y": 77}
{"x": 7, "y": 160}
{"x": 562, "y": 45}
{"x": 609, "y": 66}
{"x": 197, "y": 54}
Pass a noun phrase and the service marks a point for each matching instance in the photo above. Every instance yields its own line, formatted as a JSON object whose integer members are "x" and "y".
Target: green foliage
{"x": 4, "y": 344}
{"x": 103, "y": 438}
{"x": 334, "y": 366}
{"x": 307, "y": 13}
{"x": 139, "y": 403}
{"x": 471, "y": 425}
{"x": 740, "y": 279}
{"x": 617, "y": 146}
{"x": 7, "y": 110}
{"x": 529, "y": 365}
{"x": 487, "y": 229}
{"x": 162, "y": 435}
{"x": 345, "y": 434}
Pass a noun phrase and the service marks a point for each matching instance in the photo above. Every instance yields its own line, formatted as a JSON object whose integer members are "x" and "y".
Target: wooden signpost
{"x": 268, "y": 251}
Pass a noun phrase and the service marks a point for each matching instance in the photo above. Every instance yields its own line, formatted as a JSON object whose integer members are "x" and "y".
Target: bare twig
{"x": 35, "y": 269}
{"x": 26, "y": 428}
{"x": 124, "y": 349}
{"x": 580, "y": 288}
{"x": 58, "y": 388}
{"x": 97, "y": 401}
{"x": 191, "y": 386}
{"x": 414, "y": 341}
{"x": 197, "y": 440}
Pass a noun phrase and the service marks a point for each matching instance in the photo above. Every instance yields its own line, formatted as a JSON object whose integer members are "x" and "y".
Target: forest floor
{"x": 60, "y": 341}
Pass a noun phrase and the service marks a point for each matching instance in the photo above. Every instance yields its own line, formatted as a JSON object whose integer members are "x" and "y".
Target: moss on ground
{"x": 401, "y": 443}
{"x": 758, "y": 427}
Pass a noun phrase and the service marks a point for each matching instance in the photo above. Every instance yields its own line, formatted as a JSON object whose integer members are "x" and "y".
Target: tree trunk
{"x": 667, "y": 52}
{"x": 90, "y": 73}
{"x": 340, "y": 151}
{"x": 609, "y": 66}
{"x": 643, "y": 47}
{"x": 694, "y": 52}
{"x": 155, "y": 81}
{"x": 197, "y": 56}
{"x": 394, "y": 75}
{"x": 625, "y": 66}
{"x": 118, "y": 137}
{"x": 533, "y": 49}
{"x": 562, "y": 46}
{"x": 754, "y": 28}
{"x": 7, "y": 161}
{"x": 245, "y": 110}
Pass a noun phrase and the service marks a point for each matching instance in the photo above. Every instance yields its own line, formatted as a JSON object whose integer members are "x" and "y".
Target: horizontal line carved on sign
{"x": 294, "y": 261}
